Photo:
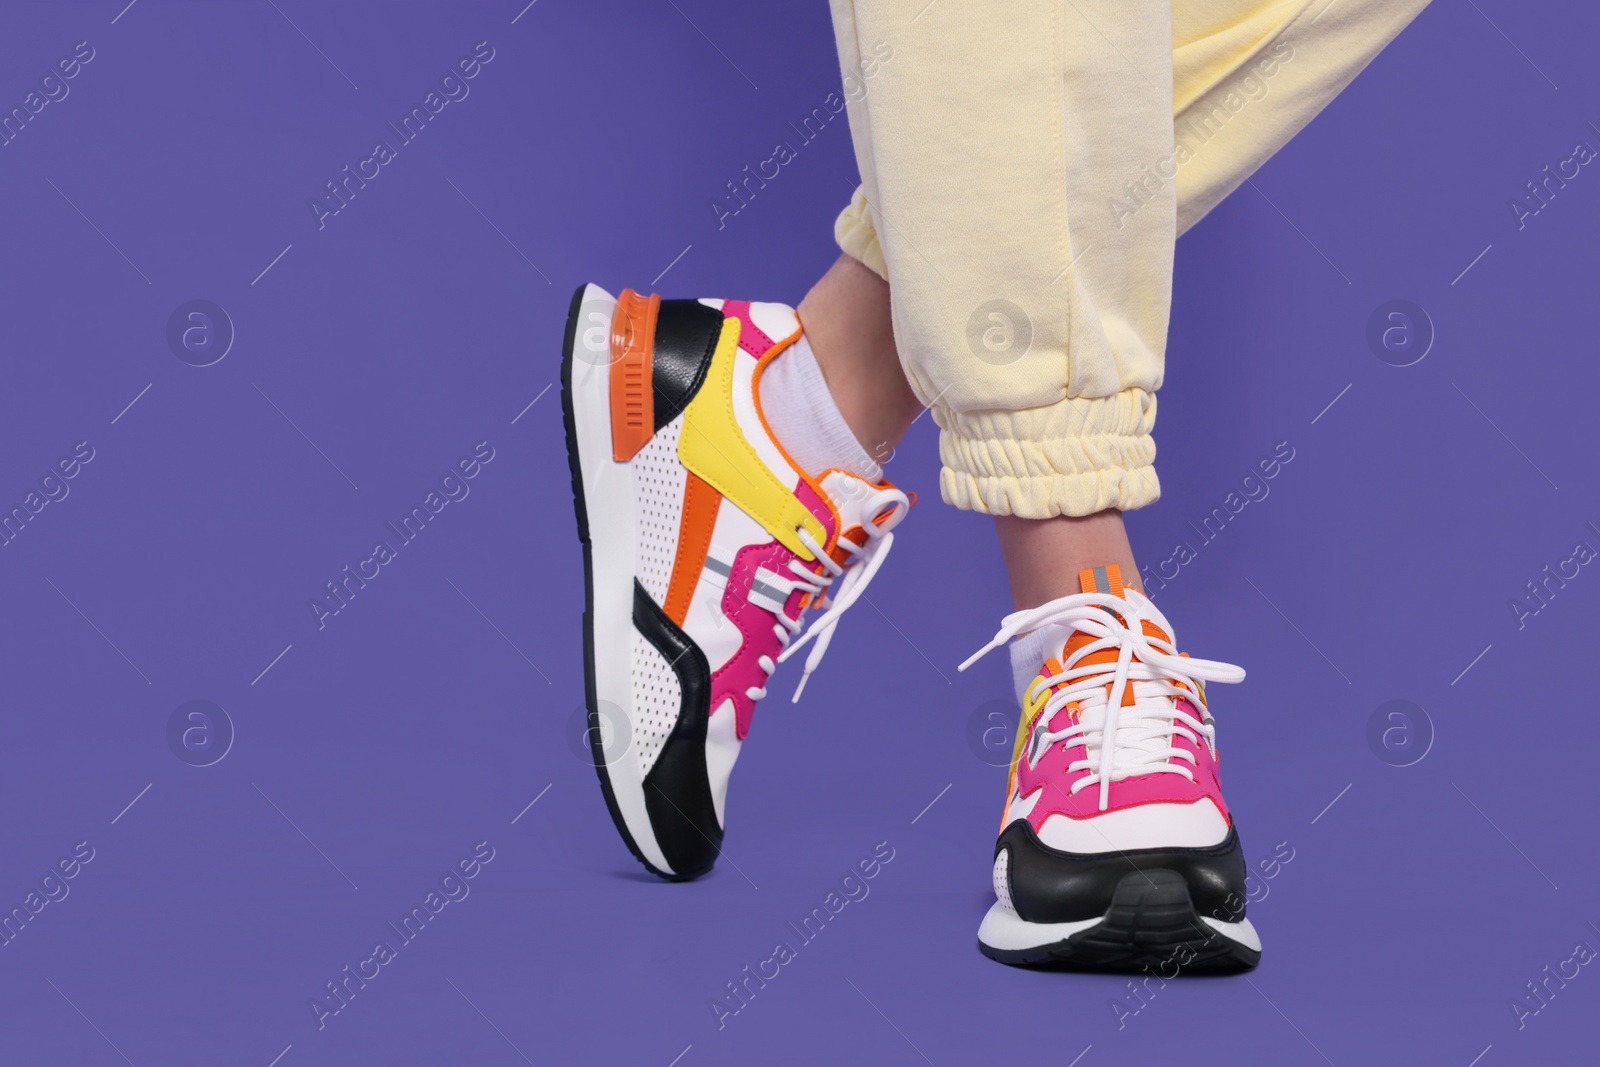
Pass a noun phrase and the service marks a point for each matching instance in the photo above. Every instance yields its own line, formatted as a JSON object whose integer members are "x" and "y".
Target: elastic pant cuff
{"x": 1075, "y": 457}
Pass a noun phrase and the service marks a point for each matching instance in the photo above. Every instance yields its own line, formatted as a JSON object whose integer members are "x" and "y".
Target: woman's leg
{"x": 1054, "y": 449}
{"x": 1043, "y": 556}
{"x": 846, "y": 318}
{"x": 1023, "y": 181}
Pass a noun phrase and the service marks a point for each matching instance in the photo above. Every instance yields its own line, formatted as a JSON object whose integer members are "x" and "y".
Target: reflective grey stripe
{"x": 719, "y": 566}
{"x": 767, "y": 591}
{"x": 1102, "y": 581}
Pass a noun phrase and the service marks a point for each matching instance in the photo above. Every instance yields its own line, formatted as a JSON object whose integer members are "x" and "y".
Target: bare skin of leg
{"x": 846, "y": 316}
{"x": 1043, "y": 556}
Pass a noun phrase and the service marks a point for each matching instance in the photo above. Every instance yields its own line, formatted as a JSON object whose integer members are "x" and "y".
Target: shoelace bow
{"x": 883, "y": 508}
{"x": 1119, "y": 742}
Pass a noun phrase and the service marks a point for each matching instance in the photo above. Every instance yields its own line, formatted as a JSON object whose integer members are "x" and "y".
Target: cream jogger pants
{"x": 1026, "y": 166}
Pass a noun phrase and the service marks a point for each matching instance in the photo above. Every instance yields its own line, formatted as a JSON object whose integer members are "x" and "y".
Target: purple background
{"x": 432, "y": 710}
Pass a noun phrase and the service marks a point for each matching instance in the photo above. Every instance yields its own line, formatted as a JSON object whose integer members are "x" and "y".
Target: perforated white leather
{"x": 658, "y": 478}
{"x": 1002, "y": 880}
{"x": 657, "y": 700}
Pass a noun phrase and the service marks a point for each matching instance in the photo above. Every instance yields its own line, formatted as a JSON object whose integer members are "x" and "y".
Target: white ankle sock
{"x": 804, "y": 418}
{"x": 1028, "y": 654}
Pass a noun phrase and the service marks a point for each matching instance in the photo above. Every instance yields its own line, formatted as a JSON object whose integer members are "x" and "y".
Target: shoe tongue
{"x": 849, "y": 493}
{"x": 1051, "y": 645}
{"x": 1106, "y": 578}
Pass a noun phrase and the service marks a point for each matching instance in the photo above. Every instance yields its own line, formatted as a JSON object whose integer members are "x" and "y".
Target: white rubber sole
{"x": 1004, "y": 930}
{"x": 608, "y": 494}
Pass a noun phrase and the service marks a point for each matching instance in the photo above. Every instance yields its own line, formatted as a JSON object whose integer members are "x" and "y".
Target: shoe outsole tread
{"x": 1152, "y": 927}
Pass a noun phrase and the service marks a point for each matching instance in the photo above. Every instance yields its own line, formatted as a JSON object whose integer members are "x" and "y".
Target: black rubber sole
{"x": 591, "y": 699}
{"x": 1151, "y": 927}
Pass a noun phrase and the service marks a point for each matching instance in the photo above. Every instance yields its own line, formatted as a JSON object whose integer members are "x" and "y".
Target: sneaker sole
{"x": 1151, "y": 926}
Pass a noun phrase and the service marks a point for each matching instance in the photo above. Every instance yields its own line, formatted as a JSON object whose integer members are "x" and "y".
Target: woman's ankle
{"x": 847, "y": 319}
{"x": 1043, "y": 556}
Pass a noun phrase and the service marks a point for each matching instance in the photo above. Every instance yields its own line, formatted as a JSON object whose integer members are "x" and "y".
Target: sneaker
{"x": 1116, "y": 848}
{"x": 704, "y": 545}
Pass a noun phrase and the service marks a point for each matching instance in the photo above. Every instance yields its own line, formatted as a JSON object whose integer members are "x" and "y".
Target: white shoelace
{"x": 1119, "y": 742}
{"x": 882, "y": 510}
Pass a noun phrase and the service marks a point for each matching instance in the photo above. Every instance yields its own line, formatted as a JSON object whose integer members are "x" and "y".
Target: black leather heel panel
{"x": 677, "y": 792}
{"x": 686, "y": 337}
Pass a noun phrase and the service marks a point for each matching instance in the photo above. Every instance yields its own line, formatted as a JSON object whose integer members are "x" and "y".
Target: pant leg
{"x": 1024, "y": 315}
{"x": 1023, "y": 181}
{"x": 1249, "y": 74}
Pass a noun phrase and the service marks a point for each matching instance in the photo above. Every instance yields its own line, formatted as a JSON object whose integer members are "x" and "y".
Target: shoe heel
{"x": 633, "y": 331}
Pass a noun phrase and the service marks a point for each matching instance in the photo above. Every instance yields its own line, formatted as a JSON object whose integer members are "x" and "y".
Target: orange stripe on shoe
{"x": 633, "y": 331}
{"x": 700, "y": 505}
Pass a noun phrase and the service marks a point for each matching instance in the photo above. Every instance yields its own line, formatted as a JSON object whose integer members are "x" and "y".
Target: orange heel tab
{"x": 633, "y": 332}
